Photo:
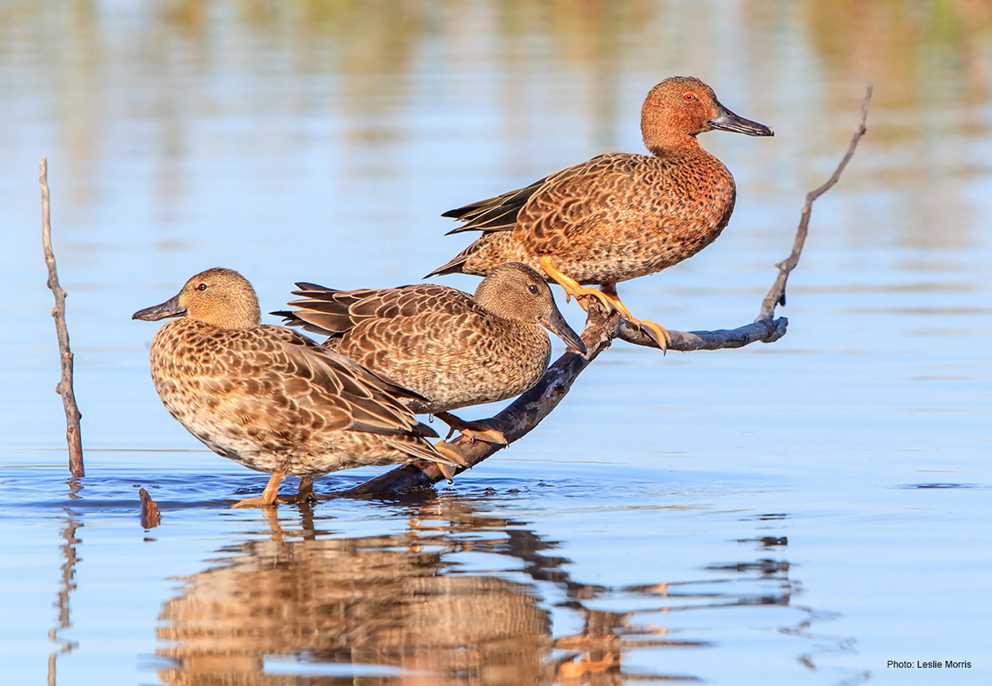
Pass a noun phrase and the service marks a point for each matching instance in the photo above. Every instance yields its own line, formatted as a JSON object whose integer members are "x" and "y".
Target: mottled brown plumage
{"x": 450, "y": 347}
{"x": 618, "y": 216}
{"x": 270, "y": 398}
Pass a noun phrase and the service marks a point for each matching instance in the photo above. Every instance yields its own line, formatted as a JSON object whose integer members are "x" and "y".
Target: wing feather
{"x": 500, "y": 213}
{"x": 335, "y": 313}
{"x": 494, "y": 214}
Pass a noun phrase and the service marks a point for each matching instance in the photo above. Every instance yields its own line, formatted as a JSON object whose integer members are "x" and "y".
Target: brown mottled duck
{"x": 452, "y": 348}
{"x": 272, "y": 399}
{"x": 618, "y": 216}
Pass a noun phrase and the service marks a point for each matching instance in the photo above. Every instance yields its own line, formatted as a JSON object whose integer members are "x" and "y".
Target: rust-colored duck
{"x": 452, "y": 348}
{"x": 618, "y": 216}
{"x": 270, "y": 398}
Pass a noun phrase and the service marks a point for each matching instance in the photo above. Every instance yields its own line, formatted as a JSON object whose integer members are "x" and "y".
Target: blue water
{"x": 793, "y": 513}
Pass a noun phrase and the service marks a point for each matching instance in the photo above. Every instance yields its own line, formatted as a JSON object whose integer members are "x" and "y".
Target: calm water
{"x": 796, "y": 513}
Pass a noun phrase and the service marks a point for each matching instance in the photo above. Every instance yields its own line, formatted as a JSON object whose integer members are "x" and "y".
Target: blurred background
{"x": 792, "y": 513}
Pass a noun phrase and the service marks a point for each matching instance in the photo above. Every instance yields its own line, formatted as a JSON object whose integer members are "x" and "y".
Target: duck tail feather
{"x": 456, "y": 264}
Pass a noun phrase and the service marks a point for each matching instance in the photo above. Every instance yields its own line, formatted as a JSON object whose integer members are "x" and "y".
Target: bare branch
{"x": 776, "y": 294}
{"x": 64, "y": 388}
{"x": 527, "y": 411}
{"x": 763, "y": 331}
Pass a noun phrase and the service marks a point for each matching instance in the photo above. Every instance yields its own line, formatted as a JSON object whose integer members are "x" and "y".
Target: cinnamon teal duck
{"x": 272, "y": 399}
{"x": 452, "y": 348}
{"x": 618, "y": 216}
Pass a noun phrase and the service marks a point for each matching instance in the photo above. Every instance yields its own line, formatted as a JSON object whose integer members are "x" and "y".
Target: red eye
{"x": 689, "y": 97}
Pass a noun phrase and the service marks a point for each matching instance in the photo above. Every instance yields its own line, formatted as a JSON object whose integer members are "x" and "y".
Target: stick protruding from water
{"x": 73, "y": 436}
{"x": 150, "y": 515}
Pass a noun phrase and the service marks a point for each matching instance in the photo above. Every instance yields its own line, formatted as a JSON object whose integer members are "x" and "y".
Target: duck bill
{"x": 728, "y": 121}
{"x": 170, "y": 308}
{"x": 557, "y": 325}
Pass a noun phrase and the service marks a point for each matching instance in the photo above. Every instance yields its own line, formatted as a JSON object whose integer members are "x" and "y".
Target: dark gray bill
{"x": 170, "y": 308}
{"x": 728, "y": 121}
{"x": 559, "y": 327}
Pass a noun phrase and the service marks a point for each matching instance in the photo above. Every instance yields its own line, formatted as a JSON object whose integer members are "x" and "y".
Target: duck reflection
{"x": 401, "y": 609}
{"x": 394, "y": 600}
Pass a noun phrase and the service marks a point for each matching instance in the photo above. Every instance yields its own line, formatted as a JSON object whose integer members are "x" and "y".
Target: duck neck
{"x": 241, "y": 315}
{"x": 672, "y": 145}
{"x": 668, "y": 133}
{"x": 488, "y": 298}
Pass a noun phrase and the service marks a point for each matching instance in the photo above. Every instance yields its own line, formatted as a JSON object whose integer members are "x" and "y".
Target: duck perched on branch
{"x": 270, "y": 398}
{"x": 452, "y": 348}
{"x": 618, "y": 216}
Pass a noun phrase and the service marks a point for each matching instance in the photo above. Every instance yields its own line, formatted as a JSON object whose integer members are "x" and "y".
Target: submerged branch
{"x": 527, "y": 411}
{"x": 64, "y": 388}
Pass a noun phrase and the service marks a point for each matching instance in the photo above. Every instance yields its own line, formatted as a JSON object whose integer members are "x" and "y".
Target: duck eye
{"x": 533, "y": 289}
{"x": 201, "y": 287}
{"x": 689, "y": 96}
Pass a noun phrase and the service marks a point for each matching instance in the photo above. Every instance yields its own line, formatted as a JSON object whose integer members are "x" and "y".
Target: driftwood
{"x": 64, "y": 388}
{"x": 527, "y": 411}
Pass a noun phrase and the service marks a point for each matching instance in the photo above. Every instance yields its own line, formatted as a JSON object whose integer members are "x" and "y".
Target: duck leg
{"x": 656, "y": 331}
{"x": 454, "y": 458}
{"x": 608, "y": 296}
{"x": 270, "y": 496}
{"x": 474, "y": 430}
{"x": 304, "y": 493}
{"x": 572, "y": 287}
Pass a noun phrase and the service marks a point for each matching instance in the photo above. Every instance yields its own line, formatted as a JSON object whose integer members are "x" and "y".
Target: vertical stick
{"x": 64, "y": 387}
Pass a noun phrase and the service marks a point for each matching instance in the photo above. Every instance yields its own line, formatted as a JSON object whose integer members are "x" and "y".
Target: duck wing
{"x": 501, "y": 212}
{"x": 580, "y": 198}
{"x": 335, "y": 313}
{"x": 346, "y": 394}
{"x": 494, "y": 214}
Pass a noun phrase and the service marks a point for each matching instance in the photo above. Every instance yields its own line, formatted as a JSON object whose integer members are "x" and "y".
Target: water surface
{"x": 796, "y": 513}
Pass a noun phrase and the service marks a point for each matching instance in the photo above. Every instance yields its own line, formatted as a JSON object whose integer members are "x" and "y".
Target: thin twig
{"x": 64, "y": 388}
{"x": 527, "y": 411}
{"x": 776, "y": 294}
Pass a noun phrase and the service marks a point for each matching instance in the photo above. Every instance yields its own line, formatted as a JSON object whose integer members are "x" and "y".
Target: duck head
{"x": 219, "y": 297}
{"x": 681, "y": 107}
{"x": 515, "y": 291}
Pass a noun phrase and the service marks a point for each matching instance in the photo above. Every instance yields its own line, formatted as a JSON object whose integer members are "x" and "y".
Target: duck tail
{"x": 423, "y": 430}
{"x": 288, "y": 318}
{"x": 322, "y": 310}
{"x": 456, "y": 265}
{"x": 420, "y": 449}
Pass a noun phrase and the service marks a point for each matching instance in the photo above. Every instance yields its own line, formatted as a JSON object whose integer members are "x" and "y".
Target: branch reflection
{"x": 457, "y": 597}
{"x": 67, "y": 585}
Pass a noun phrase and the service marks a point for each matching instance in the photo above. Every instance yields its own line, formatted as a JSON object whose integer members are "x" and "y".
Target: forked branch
{"x": 527, "y": 411}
